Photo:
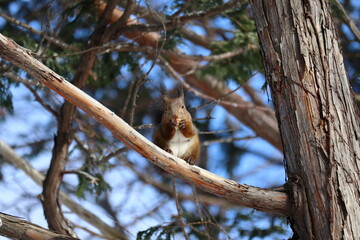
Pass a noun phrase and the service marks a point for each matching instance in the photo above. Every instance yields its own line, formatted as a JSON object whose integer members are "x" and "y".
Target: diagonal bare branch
{"x": 257, "y": 198}
{"x": 347, "y": 19}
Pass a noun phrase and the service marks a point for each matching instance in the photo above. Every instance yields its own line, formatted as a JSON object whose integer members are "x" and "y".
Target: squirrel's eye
{"x": 182, "y": 106}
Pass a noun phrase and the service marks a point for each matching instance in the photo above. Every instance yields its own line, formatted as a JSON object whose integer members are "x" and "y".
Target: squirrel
{"x": 176, "y": 132}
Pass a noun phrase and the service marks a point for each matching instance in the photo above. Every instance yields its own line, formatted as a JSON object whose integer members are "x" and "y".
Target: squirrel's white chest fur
{"x": 180, "y": 144}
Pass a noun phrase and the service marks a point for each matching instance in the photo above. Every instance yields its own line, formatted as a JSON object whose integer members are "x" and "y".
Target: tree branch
{"x": 265, "y": 126}
{"x": 10, "y": 156}
{"x": 177, "y": 21}
{"x": 257, "y": 198}
{"x": 16, "y": 228}
{"x": 64, "y": 134}
{"x": 347, "y": 19}
{"x": 33, "y": 30}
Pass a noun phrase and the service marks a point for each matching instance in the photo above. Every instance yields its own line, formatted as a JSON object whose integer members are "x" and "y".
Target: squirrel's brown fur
{"x": 176, "y": 133}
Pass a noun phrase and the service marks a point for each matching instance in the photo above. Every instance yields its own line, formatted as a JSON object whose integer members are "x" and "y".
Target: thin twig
{"x": 220, "y": 131}
{"x": 112, "y": 154}
{"x": 13, "y": 76}
{"x": 176, "y": 76}
{"x": 222, "y": 56}
{"x": 160, "y": 205}
{"x": 198, "y": 207}
{"x": 176, "y": 22}
{"x": 227, "y": 94}
{"x": 203, "y": 118}
{"x": 47, "y": 28}
{"x": 143, "y": 78}
{"x": 92, "y": 233}
{"x": 348, "y": 20}
{"x": 163, "y": 188}
{"x": 39, "y": 100}
{"x": 226, "y": 140}
{"x": 27, "y": 84}
{"x": 150, "y": 125}
{"x": 93, "y": 180}
{"x": 138, "y": 83}
{"x": 105, "y": 48}
{"x": 27, "y": 27}
{"x": 127, "y": 100}
{"x": 157, "y": 18}
{"x": 179, "y": 217}
{"x": 34, "y": 143}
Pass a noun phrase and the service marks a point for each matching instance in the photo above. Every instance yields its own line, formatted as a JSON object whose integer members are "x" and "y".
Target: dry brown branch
{"x": 16, "y": 228}
{"x": 257, "y": 198}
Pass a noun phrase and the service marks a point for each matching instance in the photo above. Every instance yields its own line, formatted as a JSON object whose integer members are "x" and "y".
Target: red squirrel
{"x": 177, "y": 133}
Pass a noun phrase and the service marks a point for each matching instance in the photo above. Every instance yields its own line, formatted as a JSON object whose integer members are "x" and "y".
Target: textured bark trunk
{"x": 317, "y": 118}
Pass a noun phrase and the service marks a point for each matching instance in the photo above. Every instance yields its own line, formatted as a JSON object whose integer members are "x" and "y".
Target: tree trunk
{"x": 317, "y": 118}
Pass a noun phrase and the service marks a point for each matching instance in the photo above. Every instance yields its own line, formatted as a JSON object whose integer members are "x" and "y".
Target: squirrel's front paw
{"x": 182, "y": 124}
{"x": 172, "y": 123}
{"x": 168, "y": 150}
{"x": 190, "y": 160}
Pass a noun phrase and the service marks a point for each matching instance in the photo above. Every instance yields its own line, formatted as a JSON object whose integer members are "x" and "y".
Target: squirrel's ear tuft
{"x": 180, "y": 90}
{"x": 165, "y": 98}
{"x": 163, "y": 89}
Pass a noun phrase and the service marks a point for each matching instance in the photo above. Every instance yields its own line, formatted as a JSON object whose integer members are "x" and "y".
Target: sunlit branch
{"x": 261, "y": 199}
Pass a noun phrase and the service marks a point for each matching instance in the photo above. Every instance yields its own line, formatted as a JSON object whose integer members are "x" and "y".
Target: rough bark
{"x": 16, "y": 228}
{"x": 317, "y": 117}
{"x": 257, "y": 198}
